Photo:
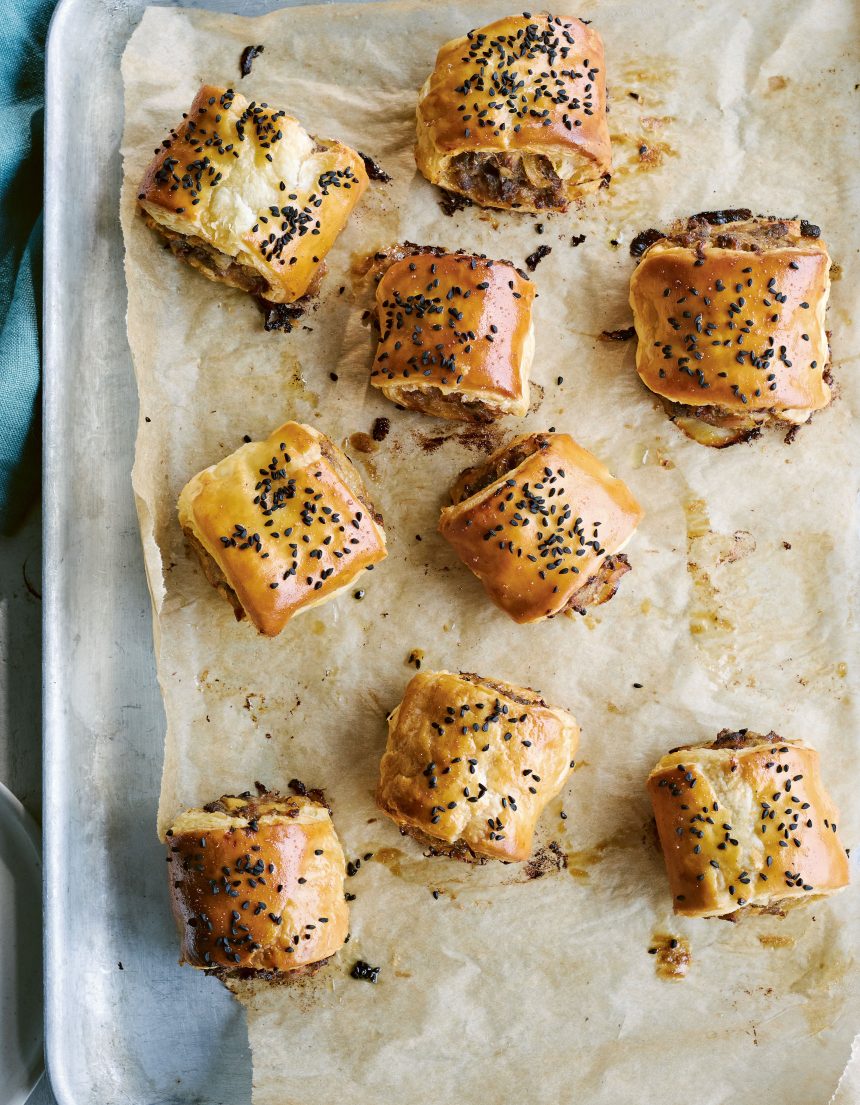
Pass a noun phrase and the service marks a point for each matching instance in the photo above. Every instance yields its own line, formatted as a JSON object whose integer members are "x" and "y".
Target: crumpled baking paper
{"x": 740, "y": 609}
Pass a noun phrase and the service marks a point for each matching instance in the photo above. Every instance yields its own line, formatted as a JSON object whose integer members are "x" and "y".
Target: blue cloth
{"x": 23, "y": 27}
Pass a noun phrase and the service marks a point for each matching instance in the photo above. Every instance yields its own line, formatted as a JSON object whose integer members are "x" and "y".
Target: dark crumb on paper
{"x": 633, "y": 95}
{"x": 451, "y": 203}
{"x": 577, "y": 240}
{"x": 247, "y": 438}
{"x": 643, "y": 240}
{"x": 791, "y": 435}
{"x": 638, "y": 686}
{"x": 247, "y": 59}
{"x": 539, "y": 228}
{"x": 606, "y": 179}
{"x": 534, "y": 259}
{"x": 374, "y": 171}
{"x": 381, "y": 427}
{"x": 333, "y": 376}
{"x": 618, "y": 335}
{"x": 614, "y": 243}
{"x": 146, "y": 418}
{"x": 282, "y": 316}
{"x": 364, "y": 971}
{"x": 545, "y": 860}
{"x": 436, "y": 894}
{"x": 809, "y": 230}
{"x": 786, "y": 544}
{"x": 120, "y": 965}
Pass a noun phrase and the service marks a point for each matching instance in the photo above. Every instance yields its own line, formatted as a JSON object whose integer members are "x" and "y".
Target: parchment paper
{"x": 512, "y": 988}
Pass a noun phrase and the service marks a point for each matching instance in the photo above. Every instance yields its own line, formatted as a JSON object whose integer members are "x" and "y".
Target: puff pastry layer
{"x": 514, "y": 114}
{"x": 729, "y": 315}
{"x": 256, "y": 885}
{"x": 244, "y": 194}
{"x": 456, "y": 336}
{"x": 281, "y": 525}
{"x": 542, "y": 524}
{"x": 746, "y": 825}
{"x": 471, "y": 763}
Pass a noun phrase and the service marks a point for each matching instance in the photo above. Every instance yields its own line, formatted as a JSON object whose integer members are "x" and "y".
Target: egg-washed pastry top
{"x": 729, "y": 315}
{"x": 256, "y": 884}
{"x": 282, "y": 525}
{"x": 746, "y": 824}
{"x": 471, "y": 762}
{"x": 243, "y": 193}
{"x": 542, "y": 523}
{"x": 514, "y": 113}
{"x": 456, "y": 337}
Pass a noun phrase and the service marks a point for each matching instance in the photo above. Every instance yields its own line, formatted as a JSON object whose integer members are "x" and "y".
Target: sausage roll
{"x": 257, "y": 885}
{"x": 729, "y": 315}
{"x": 746, "y": 826}
{"x": 243, "y": 193}
{"x": 542, "y": 524}
{"x": 281, "y": 525}
{"x": 514, "y": 114}
{"x": 456, "y": 336}
{"x": 472, "y": 762}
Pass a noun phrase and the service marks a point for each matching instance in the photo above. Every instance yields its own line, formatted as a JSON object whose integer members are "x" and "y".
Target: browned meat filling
{"x": 213, "y": 573}
{"x": 245, "y": 974}
{"x": 734, "y": 738}
{"x": 737, "y": 230}
{"x": 211, "y": 261}
{"x": 457, "y": 849}
{"x": 503, "y": 178}
{"x": 253, "y": 806}
{"x": 716, "y": 426}
{"x": 434, "y": 401}
{"x": 472, "y": 480}
{"x": 349, "y": 477}
{"x": 525, "y": 696}
{"x": 601, "y": 587}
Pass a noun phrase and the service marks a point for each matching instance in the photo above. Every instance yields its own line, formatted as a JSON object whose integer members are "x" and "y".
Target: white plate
{"x": 20, "y": 952}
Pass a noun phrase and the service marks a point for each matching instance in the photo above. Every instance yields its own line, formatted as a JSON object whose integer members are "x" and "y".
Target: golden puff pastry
{"x": 514, "y": 114}
{"x": 456, "y": 336}
{"x": 281, "y": 525}
{"x": 256, "y": 885}
{"x": 746, "y": 826}
{"x": 729, "y": 316}
{"x": 542, "y": 523}
{"x": 471, "y": 763}
{"x": 245, "y": 195}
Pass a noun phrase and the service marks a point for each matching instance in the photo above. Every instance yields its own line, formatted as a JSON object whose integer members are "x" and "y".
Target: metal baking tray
{"x": 124, "y": 1023}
